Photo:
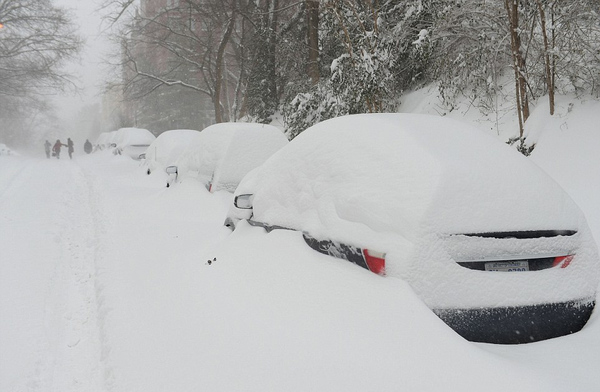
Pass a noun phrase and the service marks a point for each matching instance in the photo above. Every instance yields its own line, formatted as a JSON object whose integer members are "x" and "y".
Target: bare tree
{"x": 512, "y": 9}
{"x": 185, "y": 46}
{"x": 35, "y": 42}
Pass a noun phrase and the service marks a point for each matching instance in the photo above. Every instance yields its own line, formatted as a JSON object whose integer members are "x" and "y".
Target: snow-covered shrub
{"x": 307, "y": 109}
{"x": 373, "y": 56}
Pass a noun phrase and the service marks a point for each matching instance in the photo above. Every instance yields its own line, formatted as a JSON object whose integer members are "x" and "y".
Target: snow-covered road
{"x": 50, "y": 238}
{"x": 70, "y": 229}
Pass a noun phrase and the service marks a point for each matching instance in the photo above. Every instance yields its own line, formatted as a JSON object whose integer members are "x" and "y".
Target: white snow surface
{"x": 168, "y": 146}
{"x": 224, "y": 153}
{"x": 402, "y": 184}
{"x": 380, "y": 175}
{"x": 105, "y": 286}
{"x": 132, "y": 136}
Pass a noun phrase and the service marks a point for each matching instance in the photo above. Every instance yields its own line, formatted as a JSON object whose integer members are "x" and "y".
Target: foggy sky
{"x": 90, "y": 72}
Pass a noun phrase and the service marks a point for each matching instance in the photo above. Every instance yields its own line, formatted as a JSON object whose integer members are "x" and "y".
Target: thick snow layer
{"x": 567, "y": 148}
{"x": 382, "y": 176}
{"x": 105, "y": 286}
{"x": 133, "y": 136}
{"x": 224, "y": 153}
{"x": 168, "y": 146}
{"x": 105, "y": 139}
{"x": 406, "y": 184}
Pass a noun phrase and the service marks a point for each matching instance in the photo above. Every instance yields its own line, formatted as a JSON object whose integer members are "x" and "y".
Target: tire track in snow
{"x": 102, "y": 224}
{"x": 75, "y": 358}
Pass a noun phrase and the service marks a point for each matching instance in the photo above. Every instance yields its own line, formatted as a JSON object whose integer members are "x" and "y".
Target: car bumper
{"x": 515, "y": 325}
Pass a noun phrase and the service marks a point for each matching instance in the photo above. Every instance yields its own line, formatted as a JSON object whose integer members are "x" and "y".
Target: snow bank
{"x": 567, "y": 148}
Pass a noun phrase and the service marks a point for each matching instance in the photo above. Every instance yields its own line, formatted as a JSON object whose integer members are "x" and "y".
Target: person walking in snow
{"x": 47, "y": 146}
{"x": 56, "y": 148}
{"x": 70, "y": 146}
{"x": 87, "y": 146}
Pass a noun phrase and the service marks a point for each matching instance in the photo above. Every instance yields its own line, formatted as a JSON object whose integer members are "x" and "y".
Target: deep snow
{"x": 105, "y": 285}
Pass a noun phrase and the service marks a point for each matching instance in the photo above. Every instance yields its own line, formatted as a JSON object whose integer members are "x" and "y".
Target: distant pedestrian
{"x": 56, "y": 148}
{"x": 47, "y": 146}
{"x": 87, "y": 146}
{"x": 70, "y": 145}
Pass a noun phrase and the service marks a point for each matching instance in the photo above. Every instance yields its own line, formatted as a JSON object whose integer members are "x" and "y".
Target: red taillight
{"x": 563, "y": 261}
{"x": 210, "y": 187}
{"x": 375, "y": 261}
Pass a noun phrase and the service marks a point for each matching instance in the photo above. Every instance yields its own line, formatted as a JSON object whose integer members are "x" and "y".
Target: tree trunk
{"x": 219, "y": 67}
{"x": 512, "y": 8}
{"x": 312, "y": 21}
{"x": 549, "y": 71}
{"x": 272, "y": 24}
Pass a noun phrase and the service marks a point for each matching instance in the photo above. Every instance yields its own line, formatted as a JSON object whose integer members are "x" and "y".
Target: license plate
{"x": 507, "y": 266}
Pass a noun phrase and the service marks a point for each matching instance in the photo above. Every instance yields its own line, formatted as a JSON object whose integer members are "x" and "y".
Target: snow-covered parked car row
{"x": 450, "y": 210}
{"x": 132, "y": 142}
{"x": 429, "y": 200}
{"x": 219, "y": 156}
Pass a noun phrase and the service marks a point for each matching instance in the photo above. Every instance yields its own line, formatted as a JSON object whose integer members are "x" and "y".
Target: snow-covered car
{"x": 487, "y": 240}
{"x": 224, "y": 153}
{"x": 132, "y": 142}
{"x": 4, "y": 150}
{"x": 104, "y": 140}
{"x": 167, "y": 148}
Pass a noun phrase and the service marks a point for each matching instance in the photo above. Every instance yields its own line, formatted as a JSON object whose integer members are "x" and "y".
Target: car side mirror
{"x": 171, "y": 170}
{"x": 142, "y": 156}
{"x": 113, "y": 144}
{"x": 244, "y": 201}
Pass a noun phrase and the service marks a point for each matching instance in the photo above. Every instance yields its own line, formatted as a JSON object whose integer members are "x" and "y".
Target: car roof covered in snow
{"x": 228, "y": 151}
{"x": 361, "y": 176}
{"x": 168, "y": 146}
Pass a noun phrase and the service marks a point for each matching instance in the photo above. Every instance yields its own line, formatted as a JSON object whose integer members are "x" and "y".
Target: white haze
{"x": 90, "y": 73}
